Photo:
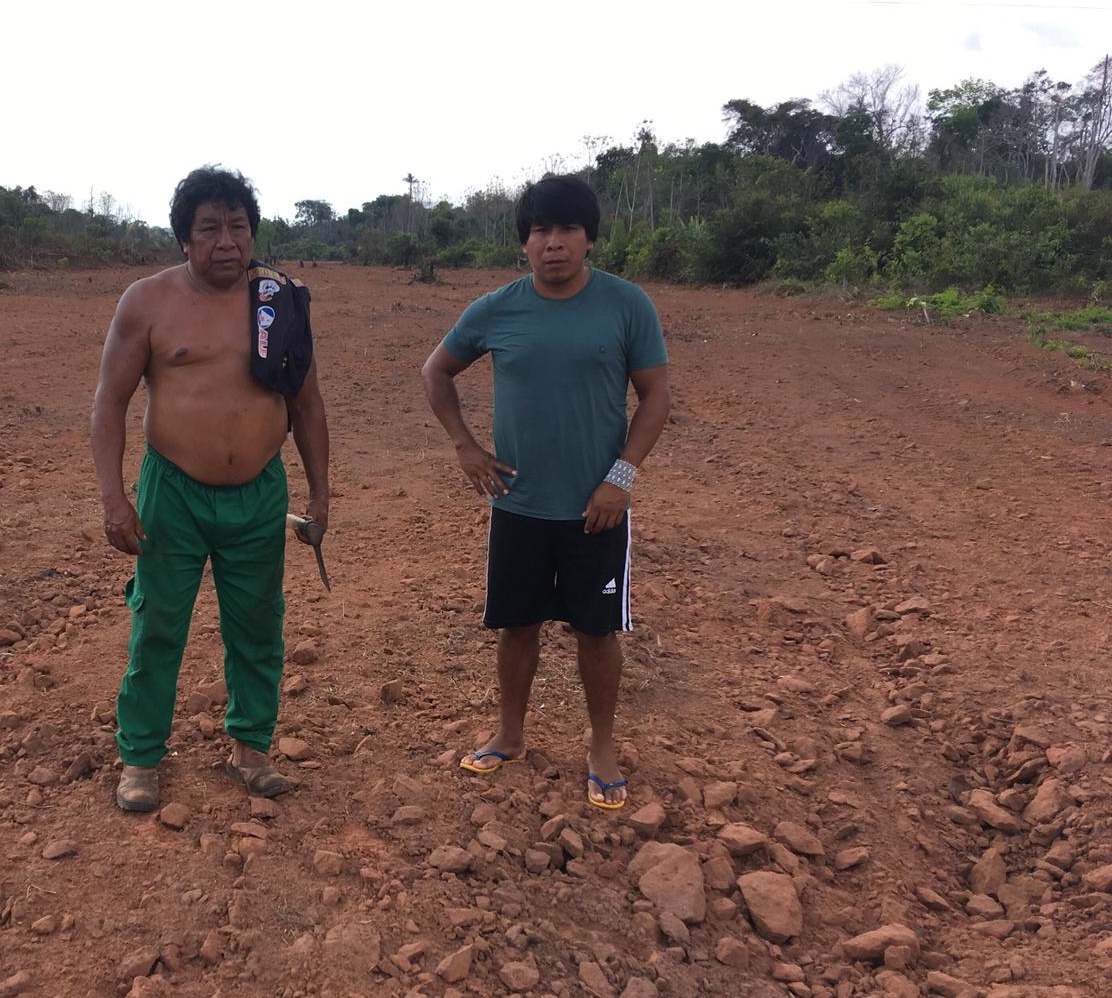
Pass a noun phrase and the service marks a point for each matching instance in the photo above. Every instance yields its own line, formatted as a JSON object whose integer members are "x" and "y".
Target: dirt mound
{"x": 865, "y": 716}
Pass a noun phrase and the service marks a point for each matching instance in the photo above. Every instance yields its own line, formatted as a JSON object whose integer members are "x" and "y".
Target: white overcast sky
{"x": 338, "y": 100}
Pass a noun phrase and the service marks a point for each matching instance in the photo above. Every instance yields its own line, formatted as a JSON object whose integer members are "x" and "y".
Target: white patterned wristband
{"x": 621, "y": 474}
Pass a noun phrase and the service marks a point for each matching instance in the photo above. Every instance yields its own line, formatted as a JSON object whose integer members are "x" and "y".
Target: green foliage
{"x": 1089, "y": 239}
{"x": 488, "y": 253}
{"x": 831, "y": 244}
{"x": 792, "y": 131}
{"x": 47, "y": 233}
{"x": 370, "y": 247}
{"x": 945, "y": 305}
{"x": 1091, "y": 318}
{"x": 610, "y": 251}
{"x": 914, "y": 250}
{"x": 402, "y": 249}
{"x": 265, "y": 238}
{"x": 663, "y": 253}
{"x": 739, "y": 245}
{"x": 984, "y": 193}
{"x": 310, "y": 213}
{"x": 852, "y": 266}
{"x": 447, "y": 226}
{"x": 948, "y": 304}
{"x": 987, "y": 300}
{"x": 1041, "y": 324}
{"x": 974, "y": 233}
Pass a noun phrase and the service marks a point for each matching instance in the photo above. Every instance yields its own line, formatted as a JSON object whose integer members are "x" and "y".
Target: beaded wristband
{"x": 621, "y": 474}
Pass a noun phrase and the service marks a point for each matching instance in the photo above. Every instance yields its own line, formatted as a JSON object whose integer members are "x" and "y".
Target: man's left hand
{"x": 605, "y": 508}
{"x": 317, "y": 509}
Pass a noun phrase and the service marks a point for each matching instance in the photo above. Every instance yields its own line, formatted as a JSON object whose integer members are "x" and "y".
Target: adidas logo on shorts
{"x": 610, "y": 588}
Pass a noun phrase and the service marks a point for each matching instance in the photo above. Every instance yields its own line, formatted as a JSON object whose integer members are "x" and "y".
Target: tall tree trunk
{"x": 1098, "y": 132}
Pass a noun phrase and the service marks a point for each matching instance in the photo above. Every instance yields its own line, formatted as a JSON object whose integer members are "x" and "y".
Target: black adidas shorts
{"x": 541, "y": 570}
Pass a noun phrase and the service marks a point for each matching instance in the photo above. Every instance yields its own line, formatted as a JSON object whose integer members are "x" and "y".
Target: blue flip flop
{"x": 469, "y": 760}
{"x": 605, "y": 804}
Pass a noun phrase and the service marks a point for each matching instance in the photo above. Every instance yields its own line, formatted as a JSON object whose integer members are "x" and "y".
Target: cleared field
{"x": 871, "y": 593}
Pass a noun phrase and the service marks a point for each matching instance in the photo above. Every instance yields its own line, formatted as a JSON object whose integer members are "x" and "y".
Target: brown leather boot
{"x": 137, "y": 789}
{"x": 257, "y": 773}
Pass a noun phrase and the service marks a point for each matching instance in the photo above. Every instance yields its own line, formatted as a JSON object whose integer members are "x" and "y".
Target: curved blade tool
{"x": 309, "y": 531}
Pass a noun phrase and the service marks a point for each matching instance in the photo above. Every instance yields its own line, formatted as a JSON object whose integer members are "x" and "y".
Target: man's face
{"x": 220, "y": 244}
{"x": 557, "y": 254}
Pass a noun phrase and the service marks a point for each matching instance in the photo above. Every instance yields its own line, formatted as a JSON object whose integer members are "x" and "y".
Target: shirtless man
{"x": 211, "y": 485}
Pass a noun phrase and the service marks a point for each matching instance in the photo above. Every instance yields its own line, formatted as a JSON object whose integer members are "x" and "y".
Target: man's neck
{"x": 198, "y": 283}
{"x": 566, "y": 289}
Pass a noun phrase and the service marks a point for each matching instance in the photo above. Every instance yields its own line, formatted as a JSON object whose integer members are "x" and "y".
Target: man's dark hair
{"x": 562, "y": 200}
{"x": 211, "y": 184}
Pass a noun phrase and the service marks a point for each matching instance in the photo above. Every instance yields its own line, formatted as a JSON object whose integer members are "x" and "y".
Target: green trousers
{"x": 241, "y": 528}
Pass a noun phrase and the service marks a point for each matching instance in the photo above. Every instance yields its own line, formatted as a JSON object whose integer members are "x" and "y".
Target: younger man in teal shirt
{"x": 565, "y": 343}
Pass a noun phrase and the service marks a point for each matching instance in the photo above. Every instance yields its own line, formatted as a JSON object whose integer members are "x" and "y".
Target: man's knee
{"x": 523, "y": 634}
{"x": 585, "y": 637}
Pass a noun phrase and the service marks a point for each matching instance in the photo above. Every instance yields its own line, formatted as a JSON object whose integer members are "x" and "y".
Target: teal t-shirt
{"x": 561, "y": 372}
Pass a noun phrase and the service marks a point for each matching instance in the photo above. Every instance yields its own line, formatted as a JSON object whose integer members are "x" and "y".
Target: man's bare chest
{"x": 202, "y": 335}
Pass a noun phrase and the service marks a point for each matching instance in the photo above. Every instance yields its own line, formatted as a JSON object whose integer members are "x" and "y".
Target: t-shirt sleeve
{"x": 466, "y": 340}
{"x": 647, "y": 347}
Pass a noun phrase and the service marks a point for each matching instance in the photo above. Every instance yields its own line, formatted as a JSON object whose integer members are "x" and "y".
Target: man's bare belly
{"x": 206, "y": 413}
{"x": 215, "y": 441}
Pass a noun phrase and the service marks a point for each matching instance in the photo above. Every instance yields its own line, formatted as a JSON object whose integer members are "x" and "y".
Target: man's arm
{"x": 127, "y": 352}
{"x": 654, "y": 400}
{"x": 310, "y": 435}
{"x": 483, "y": 470}
{"x": 608, "y": 503}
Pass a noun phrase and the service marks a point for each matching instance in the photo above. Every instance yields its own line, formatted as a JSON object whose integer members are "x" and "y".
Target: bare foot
{"x": 606, "y": 786}
{"x": 490, "y": 757}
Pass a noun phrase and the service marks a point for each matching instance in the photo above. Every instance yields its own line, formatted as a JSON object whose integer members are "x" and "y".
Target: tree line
{"x": 977, "y": 186}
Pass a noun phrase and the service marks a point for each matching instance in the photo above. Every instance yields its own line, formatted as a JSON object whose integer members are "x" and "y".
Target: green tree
{"x": 310, "y": 213}
{"x": 447, "y": 225}
{"x": 792, "y": 131}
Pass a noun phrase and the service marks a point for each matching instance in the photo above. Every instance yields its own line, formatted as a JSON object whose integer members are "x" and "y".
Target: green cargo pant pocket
{"x": 133, "y": 596}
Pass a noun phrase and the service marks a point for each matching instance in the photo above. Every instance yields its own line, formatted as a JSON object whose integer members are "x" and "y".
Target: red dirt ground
{"x": 871, "y": 589}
